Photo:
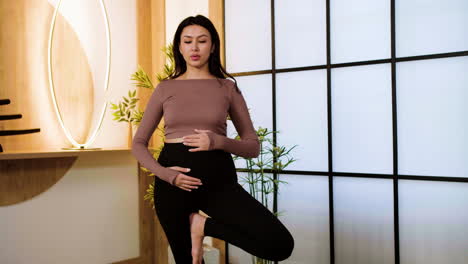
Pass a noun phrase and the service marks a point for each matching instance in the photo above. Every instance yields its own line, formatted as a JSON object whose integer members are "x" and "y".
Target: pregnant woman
{"x": 195, "y": 170}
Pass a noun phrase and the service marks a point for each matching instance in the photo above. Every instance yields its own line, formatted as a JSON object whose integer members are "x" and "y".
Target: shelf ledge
{"x": 53, "y": 153}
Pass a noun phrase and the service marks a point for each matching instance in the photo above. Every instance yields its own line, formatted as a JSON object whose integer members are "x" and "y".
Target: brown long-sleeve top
{"x": 195, "y": 104}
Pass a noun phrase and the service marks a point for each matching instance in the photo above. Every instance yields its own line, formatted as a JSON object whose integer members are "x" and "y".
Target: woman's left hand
{"x": 199, "y": 140}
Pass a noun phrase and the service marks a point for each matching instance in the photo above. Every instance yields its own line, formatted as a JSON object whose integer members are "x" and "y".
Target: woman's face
{"x": 195, "y": 46}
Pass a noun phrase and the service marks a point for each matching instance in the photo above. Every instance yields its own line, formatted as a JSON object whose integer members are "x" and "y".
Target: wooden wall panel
{"x": 151, "y": 39}
{"x": 144, "y": 60}
{"x": 24, "y": 31}
{"x": 216, "y": 15}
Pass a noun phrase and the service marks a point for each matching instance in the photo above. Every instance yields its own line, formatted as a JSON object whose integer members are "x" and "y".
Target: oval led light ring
{"x": 70, "y": 138}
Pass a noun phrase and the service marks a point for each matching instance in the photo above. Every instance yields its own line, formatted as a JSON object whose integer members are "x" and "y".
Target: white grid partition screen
{"x": 374, "y": 94}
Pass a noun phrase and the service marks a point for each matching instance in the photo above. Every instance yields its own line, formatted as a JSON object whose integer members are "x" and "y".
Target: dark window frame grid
{"x": 393, "y": 60}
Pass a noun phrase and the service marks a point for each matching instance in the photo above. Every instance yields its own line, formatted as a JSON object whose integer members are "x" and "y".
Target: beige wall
{"x": 89, "y": 216}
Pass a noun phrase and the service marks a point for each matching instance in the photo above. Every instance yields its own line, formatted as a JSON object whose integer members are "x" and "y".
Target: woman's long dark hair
{"x": 214, "y": 62}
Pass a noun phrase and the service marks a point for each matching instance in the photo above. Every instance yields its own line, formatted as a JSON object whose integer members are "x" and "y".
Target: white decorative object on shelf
{"x": 96, "y": 129}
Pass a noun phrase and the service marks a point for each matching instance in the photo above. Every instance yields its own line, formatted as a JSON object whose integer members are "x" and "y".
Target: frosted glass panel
{"x": 248, "y": 35}
{"x": 433, "y": 218}
{"x": 243, "y": 176}
{"x": 363, "y": 221}
{"x": 301, "y": 113}
{"x": 256, "y": 90}
{"x": 304, "y": 205}
{"x": 300, "y": 34}
{"x": 360, "y": 30}
{"x": 426, "y": 27}
{"x": 432, "y": 117}
{"x": 362, "y": 119}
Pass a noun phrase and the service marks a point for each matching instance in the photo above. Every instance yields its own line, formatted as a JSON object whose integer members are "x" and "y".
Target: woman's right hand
{"x": 185, "y": 182}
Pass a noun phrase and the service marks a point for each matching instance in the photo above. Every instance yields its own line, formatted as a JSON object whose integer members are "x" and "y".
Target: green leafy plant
{"x": 125, "y": 110}
{"x": 168, "y": 68}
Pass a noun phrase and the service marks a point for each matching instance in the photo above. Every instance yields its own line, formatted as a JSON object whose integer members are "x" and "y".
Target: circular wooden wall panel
{"x": 21, "y": 180}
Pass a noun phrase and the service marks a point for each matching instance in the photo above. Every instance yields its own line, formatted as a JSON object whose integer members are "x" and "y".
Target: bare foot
{"x": 197, "y": 224}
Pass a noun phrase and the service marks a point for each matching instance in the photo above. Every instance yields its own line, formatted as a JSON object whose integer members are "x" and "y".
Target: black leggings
{"x": 235, "y": 216}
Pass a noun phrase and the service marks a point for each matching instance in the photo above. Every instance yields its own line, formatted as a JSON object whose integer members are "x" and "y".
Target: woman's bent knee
{"x": 280, "y": 247}
{"x": 285, "y": 248}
